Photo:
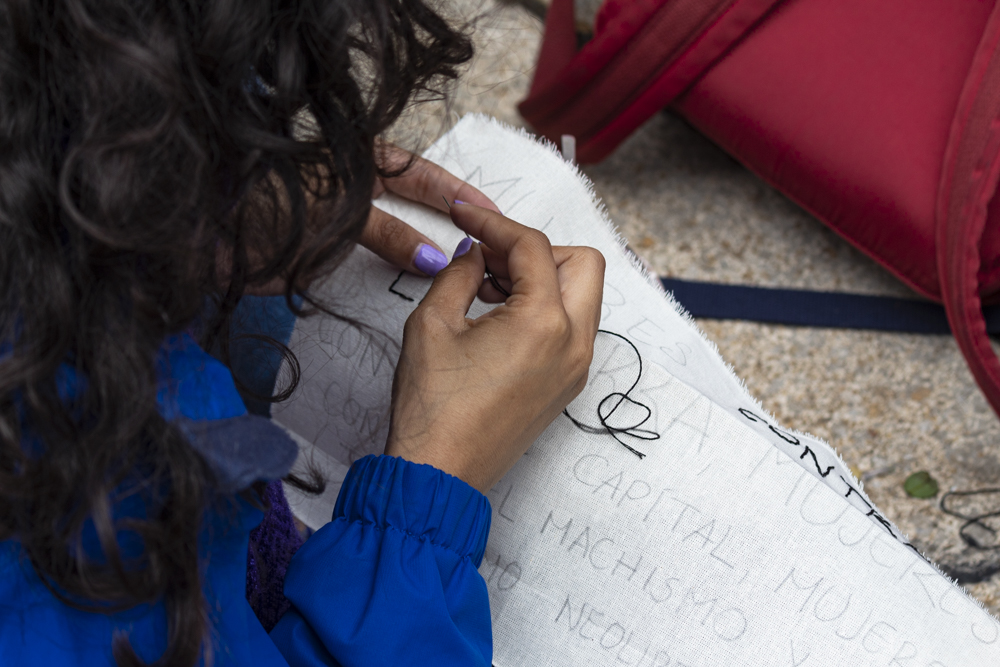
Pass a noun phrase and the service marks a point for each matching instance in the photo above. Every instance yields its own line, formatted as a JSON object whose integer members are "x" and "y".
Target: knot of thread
{"x": 610, "y": 404}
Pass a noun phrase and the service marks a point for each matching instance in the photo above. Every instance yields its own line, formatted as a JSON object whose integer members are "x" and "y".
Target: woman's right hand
{"x": 470, "y": 396}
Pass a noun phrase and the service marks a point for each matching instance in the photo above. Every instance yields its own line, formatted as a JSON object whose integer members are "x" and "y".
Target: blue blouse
{"x": 391, "y": 580}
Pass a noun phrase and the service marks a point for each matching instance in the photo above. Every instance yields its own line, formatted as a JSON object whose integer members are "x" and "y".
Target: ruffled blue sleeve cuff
{"x": 418, "y": 499}
{"x": 393, "y": 578}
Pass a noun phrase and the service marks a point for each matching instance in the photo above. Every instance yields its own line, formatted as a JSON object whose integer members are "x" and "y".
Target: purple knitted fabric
{"x": 272, "y": 545}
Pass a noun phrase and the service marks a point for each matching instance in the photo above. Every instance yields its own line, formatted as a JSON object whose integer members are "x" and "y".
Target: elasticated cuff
{"x": 418, "y": 499}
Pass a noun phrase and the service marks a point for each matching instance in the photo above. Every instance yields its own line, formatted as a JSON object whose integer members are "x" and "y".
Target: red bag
{"x": 880, "y": 117}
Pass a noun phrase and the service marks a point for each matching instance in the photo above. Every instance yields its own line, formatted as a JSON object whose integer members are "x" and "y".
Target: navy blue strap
{"x": 816, "y": 309}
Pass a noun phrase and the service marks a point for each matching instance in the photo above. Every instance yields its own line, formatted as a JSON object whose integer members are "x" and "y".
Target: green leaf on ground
{"x": 921, "y": 485}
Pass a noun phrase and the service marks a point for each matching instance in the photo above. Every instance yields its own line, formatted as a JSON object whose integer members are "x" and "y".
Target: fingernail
{"x": 429, "y": 259}
{"x": 463, "y": 247}
{"x": 459, "y": 201}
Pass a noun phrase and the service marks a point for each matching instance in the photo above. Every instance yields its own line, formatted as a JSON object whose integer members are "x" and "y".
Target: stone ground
{"x": 891, "y": 404}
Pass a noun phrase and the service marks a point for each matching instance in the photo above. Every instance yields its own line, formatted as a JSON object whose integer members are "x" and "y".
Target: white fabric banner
{"x": 688, "y": 529}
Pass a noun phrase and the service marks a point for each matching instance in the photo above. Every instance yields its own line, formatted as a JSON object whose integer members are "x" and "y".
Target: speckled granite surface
{"x": 891, "y": 404}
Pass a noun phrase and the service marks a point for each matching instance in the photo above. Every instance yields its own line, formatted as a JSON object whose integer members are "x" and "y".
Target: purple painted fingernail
{"x": 459, "y": 201}
{"x": 429, "y": 259}
{"x": 463, "y": 247}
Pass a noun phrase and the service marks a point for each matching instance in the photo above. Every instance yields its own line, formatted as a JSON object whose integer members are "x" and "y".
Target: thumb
{"x": 455, "y": 287}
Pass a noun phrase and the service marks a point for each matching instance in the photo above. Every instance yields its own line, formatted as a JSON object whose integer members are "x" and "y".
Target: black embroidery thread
{"x": 392, "y": 288}
{"x": 633, "y": 431}
{"x": 971, "y": 520}
{"x": 789, "y": 438}
{"x": 872, "y": 513}
{"x": 493, "y": 281}
{"x": 809, "y": 452}
{"x": 971, "y": 573}
{"x": 496, "y": 283}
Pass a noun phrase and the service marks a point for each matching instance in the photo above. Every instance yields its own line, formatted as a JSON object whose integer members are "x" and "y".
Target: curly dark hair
{"x": 156, "y": 155}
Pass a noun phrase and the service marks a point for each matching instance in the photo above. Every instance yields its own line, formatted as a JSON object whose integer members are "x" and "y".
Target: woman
{"x": 155, "y": 167}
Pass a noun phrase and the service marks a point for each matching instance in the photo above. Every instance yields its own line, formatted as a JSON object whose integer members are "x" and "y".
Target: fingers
{"x": 531, "y": 267}
{"x": 401, "y": 245}
{"x": 470, "y": 195}
{"x": 426, "y": 182}
{"x": 488, "y": 292}
{"x": 581, "y": 277}
{"x": 453, "y": 290}
{"x": 581, "y": 281}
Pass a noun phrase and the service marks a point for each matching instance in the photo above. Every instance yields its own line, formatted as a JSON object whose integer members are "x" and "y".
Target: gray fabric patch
{"x": 241, "y": 450}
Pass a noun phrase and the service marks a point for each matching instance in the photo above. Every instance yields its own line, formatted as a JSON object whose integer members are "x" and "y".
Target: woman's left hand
{"x": 395, "y": 241}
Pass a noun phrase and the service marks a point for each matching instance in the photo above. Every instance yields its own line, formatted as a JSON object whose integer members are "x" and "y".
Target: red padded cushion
{"x": 846, "y": 105}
